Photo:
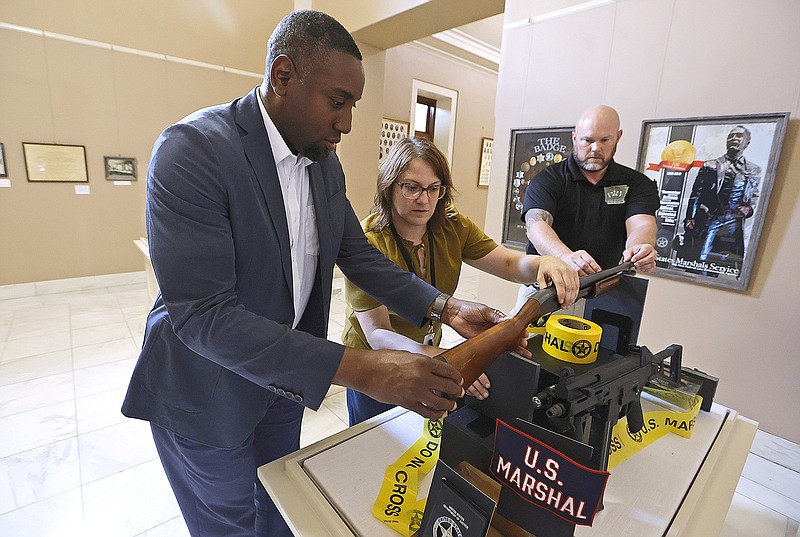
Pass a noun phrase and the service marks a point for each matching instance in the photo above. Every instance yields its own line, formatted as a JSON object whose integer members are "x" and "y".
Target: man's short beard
{"x": 590, "y": 167}
{"x": 315, "y": 153}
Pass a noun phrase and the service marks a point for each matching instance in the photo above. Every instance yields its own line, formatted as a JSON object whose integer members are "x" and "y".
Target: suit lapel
{"x": 259, "y": 153}
{"x": 320, "y": 197}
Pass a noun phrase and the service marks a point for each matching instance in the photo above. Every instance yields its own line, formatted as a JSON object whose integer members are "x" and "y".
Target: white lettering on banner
{"x": 529, "y": 485}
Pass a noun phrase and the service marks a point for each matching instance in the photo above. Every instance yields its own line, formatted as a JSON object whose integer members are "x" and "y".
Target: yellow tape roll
{"x": 570, "y": 338}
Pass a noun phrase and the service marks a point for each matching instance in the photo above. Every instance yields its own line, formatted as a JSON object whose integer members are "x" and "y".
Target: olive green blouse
{"x": 456, "y": 239}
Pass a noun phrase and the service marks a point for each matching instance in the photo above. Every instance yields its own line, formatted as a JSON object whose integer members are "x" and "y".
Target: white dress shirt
{"x": 300, "y": 215}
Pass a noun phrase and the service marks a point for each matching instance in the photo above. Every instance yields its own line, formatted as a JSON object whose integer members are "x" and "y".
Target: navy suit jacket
{"x": 218, "y": 342}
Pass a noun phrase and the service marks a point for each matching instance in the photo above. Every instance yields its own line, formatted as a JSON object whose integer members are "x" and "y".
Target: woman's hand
{"x": 562, "y": 276}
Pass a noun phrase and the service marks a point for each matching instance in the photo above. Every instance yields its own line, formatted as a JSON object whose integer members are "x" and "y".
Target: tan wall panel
{"x": 658, "y": 59}
{"x": 474, "y": 117}
{"x": 358, "y": 151}
{"x": 114, "y": 104}
{"x": 233, "y": 34}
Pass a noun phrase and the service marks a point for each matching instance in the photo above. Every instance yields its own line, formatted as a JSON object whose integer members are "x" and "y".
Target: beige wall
{"x": 221, "y": 32}
{"x": 680, "y": 58}
{"x": 114, "y": 104}
{"x": 358, "y": 151}
{"x": 474, "y": 118}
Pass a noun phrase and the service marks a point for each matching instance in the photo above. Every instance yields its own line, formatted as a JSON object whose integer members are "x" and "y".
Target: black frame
{"x": 3, "y": 166}
{"x": 112, "y": 171}
{"x": 545, "y": 145}
{"x": 55, "y": 177}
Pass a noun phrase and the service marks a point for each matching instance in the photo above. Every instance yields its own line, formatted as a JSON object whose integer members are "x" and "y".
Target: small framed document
{"x": 486, "y": 161}
{"x": 55, "y": 163}
{"x": 120, "y": 168}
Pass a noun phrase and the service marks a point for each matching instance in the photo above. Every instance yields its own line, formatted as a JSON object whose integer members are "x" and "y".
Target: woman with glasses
{"x": 415, "y": 224}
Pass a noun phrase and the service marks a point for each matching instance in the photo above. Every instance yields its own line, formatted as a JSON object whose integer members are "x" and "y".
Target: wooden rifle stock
{"x": 474, "y": 356}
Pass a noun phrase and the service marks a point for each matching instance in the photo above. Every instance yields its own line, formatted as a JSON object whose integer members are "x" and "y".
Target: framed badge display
{"x": 714, "y": 176}
{"x": 392, "y": 130}
{"x": 486, "y": 161}
{"x": 532, "y": 150}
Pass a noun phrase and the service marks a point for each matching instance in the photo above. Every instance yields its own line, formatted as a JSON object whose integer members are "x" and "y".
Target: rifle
{"x": 474, "y": 356}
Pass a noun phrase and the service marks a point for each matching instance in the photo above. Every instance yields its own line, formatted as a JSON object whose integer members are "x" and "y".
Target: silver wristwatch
{"x": 438, "y": 306}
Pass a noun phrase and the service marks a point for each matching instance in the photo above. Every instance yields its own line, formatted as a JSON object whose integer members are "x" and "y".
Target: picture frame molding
{"x": 485, "y": 166}
{"x": 112, "y": 176}
{"x": 671, "y": 215}
{"x": 3, "y": 164}
{"x": 68, "y": 164}
{"x": 391, "y": 130}
{"x": 517, "y": 179}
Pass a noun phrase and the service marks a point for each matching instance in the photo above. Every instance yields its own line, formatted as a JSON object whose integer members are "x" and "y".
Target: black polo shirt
{"x": 591, "y": 217}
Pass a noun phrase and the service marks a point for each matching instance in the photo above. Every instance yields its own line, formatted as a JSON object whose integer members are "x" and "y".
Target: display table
{"x": 676, "y": 486}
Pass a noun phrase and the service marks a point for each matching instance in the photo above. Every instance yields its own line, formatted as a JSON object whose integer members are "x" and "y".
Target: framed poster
{"x": 714, "y": 176}
{"x": 532, "y": 150}
{"x": 3, "y": 170}
{"x": 120, "y": 168}
{"x": 55, "y": 163}
{"x": 391, "y": 131}
{"x": 486, "y": 161}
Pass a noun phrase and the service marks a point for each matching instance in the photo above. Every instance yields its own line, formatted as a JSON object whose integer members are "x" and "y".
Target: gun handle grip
{"x": 635, "y": 416}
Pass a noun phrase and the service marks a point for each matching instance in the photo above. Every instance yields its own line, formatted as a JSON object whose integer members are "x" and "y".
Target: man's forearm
{"x": 539, "y": 231}
{"x": 641, "y": 232}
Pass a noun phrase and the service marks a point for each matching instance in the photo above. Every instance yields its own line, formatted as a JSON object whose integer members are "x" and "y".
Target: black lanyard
{"x": 428, "y": 339}
{"x": 407, "y": 256}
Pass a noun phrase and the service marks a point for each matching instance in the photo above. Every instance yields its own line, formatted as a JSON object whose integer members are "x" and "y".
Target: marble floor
{"x": 72, "y": 465}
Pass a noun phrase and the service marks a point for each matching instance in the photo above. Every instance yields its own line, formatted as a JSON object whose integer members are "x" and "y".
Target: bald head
{"x": 600, "y": 117}
{"x": 594, "y": 140}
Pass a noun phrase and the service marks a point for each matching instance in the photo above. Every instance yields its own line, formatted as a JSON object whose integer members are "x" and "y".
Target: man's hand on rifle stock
{"x": 472, "y": 318}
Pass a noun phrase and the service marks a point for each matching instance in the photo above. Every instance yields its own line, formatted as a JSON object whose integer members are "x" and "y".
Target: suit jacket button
{"x": 281, "y": 392}
{"x": 271, "y": 388}
{"x": 298, "y": 398}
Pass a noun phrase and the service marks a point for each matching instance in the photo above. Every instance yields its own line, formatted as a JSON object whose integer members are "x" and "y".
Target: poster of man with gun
{"x": 714, "y": 176}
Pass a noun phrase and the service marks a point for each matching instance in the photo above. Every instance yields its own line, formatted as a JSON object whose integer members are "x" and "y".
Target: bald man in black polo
{"x": 588, "y": 210}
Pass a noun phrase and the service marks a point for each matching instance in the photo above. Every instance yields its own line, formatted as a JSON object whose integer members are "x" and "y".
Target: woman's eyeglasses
{"x": 412, "y": 191}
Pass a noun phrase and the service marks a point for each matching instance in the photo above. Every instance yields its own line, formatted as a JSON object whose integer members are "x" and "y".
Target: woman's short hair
{"x": 396, "y": 163}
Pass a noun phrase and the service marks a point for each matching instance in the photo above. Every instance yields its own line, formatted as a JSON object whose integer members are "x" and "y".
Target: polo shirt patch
{"x": 615, "y": 195}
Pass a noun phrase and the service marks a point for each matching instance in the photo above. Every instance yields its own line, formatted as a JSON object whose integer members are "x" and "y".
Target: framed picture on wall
{"x": 120, "y": 168}
{"x": 714, "y": 176}
{"x": 486, "y": 161}
{"x": 391, "y": 131}
{"x": 3, "y": 170}
{"x": 532, "y": 150}
{"x": 55, "y": 163}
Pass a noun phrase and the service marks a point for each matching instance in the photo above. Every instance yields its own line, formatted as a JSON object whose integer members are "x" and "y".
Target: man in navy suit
{"x": 246, "y": 216}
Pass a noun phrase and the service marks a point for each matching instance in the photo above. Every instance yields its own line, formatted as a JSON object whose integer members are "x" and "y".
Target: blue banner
{"x": 546, "y": 478}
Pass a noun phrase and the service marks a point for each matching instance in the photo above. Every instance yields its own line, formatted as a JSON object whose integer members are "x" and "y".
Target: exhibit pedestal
{"x": 676, "y": 486}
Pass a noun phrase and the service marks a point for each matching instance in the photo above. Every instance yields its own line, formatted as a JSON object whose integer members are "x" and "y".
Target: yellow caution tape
{"x": 657, "y": 423}
{"x": 397, "y": 505}
{"x": 570, "y": 338}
